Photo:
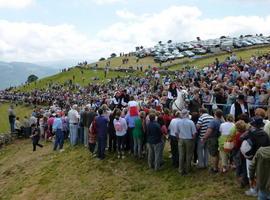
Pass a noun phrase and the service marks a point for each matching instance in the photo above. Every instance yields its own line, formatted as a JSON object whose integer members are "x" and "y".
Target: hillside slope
{"x": 74, "y": 174}
{"x": 89, "y": 74}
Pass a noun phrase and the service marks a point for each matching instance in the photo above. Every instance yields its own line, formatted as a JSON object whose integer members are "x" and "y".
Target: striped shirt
{"x": 203, "y": 122}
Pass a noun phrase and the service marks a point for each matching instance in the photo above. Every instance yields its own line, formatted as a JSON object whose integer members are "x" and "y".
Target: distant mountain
{"x": 61, "y": 64}
{"x": 16, "y": 73}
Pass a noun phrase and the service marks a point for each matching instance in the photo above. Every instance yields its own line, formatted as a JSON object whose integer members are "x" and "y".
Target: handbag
{"x": 228, "y": 146}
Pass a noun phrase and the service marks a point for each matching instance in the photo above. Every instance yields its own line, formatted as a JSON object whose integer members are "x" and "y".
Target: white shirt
{"x": 132, "y": 104}
{"x": 173, "y": 126}
{"x": 225, "y": 128}
{"x": 244, "y": 74}
{"x": 73, "y": 116}
{"x": 123, "y": 124}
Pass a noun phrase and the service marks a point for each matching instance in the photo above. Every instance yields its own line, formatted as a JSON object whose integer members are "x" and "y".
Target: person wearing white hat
{"x": 186, "y": 132}
{"x": 73, "y": 117}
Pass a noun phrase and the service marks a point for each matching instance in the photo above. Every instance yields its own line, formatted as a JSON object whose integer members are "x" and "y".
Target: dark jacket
{"x": 153, "y": 133}
{"x": 101, "y": 126}
{"x": 238, "y": 110}
{"x": 87, "y": 118}
{"x": 258, "y": 138}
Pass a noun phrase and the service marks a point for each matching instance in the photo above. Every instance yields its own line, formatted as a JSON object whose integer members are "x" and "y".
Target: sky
{"x": 50, "y": 30}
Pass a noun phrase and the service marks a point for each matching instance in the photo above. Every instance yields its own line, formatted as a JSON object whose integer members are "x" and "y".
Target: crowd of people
{"x": 225, "y": 119}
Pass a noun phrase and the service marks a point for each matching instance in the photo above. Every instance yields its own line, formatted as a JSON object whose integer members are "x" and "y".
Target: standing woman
{"x": 225, "y": 130}
{"x": 172, "y": 94}
{"x": 112, "y": 135}
{"x": 120, "y": 126}
{"x": 138, "y": 133}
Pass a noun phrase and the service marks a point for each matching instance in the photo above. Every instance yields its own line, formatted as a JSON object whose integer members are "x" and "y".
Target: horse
{"x": 180, "y": 102}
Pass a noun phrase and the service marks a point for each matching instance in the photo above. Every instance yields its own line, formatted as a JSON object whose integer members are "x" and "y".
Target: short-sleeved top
{"x": 203, "y": 122}
{"x": 215, "y": 125}
{"x": 186, "y": 128}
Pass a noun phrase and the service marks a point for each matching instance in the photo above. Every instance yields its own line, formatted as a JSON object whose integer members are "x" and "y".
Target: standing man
{"x": 202, "y": 126}
{"x": 73, "y": 117}
{"x": 102, "y": 128}
{"x": 211, "y": 138}
{"x": 186, "y": 131}
{"x": 239, "y": 107}
{"x": 260, "y": 166}
{"x": 154, "y": 141}
{"x": 58, "y": 130}
{"x": 87, "y": 118}
{"x": 11, "y": 118}
{"x": 173, "y": 139}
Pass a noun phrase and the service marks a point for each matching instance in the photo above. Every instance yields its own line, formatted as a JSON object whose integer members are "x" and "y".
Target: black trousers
{"x": 35, "y": 141}
{"x": 174, "y": 151}
{"x": 92, "y": 147}
{"x": 112, "y": 141}
{"x": 129, "y": 140}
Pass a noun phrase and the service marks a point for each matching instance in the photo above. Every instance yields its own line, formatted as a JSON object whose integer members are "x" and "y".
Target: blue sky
{"x": 53, "y": 29}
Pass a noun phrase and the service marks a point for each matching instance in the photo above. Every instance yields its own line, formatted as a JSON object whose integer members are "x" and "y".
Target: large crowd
{"x": 223, "y": 126}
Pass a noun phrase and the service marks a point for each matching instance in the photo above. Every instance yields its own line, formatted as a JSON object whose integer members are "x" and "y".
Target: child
{"x": 225, "y": 129}
{"x": 35, "y": 136}
{"x": 92, "y": 137}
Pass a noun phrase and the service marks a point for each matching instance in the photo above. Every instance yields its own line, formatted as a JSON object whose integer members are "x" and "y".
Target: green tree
{"x": 113, "y": 55}
{"x": 32, "y": 78}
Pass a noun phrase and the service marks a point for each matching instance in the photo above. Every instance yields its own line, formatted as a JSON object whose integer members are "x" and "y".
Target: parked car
{"x": 199, "y": 51}
{"x": 188, "y": 53}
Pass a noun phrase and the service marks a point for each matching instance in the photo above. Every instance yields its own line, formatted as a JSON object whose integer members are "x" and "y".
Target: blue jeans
{"x": 85, "y": 136}
{"x": 12, "y": 125}
{"x": 202, "y": 152}
{"x": 137, "y": 146}
{"x": 80, "y": 135}
{"x": 73, "y": 134}
{"x": 263, "y": 195}
{"x": 59, "y": 139}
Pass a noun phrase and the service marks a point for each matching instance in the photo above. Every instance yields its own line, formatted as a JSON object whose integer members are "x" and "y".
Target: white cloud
{"x": 179, "y": 23}
{"x": 102, "y": 2}
{"x": 39, "y": 42}
{"x": 17, "y": 4}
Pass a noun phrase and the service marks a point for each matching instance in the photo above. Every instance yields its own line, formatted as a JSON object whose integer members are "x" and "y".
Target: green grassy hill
{"x": 88, "y": 74}
{"x": 74, "y": 174}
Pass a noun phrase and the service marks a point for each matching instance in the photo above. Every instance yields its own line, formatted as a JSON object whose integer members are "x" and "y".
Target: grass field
{"x": 86, "y": 77}
{"x": 74, "y": 174}
{"x": 82, "y": 79}
{"x": 20, "y": 111}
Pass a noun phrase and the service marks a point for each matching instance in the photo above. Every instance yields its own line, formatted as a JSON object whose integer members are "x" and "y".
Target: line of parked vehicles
{"x": 163, "y": 52}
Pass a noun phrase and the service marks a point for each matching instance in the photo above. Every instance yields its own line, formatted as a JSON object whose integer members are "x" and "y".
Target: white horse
{"x": 180, "y": 102}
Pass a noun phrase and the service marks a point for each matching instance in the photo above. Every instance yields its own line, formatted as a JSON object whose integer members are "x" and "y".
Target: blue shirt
{"x": 102, "y": 126}
{"x": 154, "y": 133}
{"x": 57, "y": 124}
{"x": 131, "y": 120}
{"x": 186, "y": 128}
{"x": 215, "y": 125}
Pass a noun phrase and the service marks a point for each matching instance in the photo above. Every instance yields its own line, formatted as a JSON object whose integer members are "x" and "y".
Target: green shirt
{"x": 138, "y": 130}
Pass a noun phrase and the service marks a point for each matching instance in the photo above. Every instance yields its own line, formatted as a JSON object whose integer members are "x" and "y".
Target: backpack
{"x": 246, "y": 148}
{"x": 118, "y": 126}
